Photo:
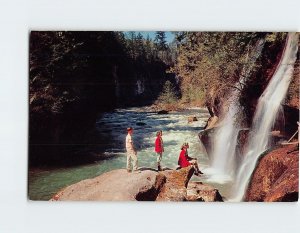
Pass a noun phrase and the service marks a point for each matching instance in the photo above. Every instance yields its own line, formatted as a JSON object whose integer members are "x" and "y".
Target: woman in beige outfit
{"x": 131, "y": 152}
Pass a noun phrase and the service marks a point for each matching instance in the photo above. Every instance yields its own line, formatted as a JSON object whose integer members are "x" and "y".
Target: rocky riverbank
{"x": 147, "y": 185}
{"x": 276, "y": 176}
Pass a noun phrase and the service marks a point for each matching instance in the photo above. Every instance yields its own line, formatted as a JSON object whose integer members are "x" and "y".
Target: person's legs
{"x": 128, "y": 166}
{"x": 135, "y": 161}
{"x": 196, "y": 167}
{"x": 159, "y": 157}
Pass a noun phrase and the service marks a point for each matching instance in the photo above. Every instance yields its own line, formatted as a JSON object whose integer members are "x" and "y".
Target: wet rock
{"x": 211, "y": 122}
{"x": 276, "y": 137}
{"x": 285, "y": 188}
{"x": 162, "y": 112}
{"x": 291, "y": 116}
{"x": 206, "y": 137}
{"x": 141, "y": 123}
{"x": 197, "y": 191}
{"x": 242, "y": 139}
{"x": 116, "y": 185}
{"x": 192, "y": 119}
{"x": 275, "y": 177}
{"x": 175, "y": 188}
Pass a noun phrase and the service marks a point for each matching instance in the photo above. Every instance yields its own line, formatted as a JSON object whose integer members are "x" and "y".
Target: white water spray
{"x": 266, "y": 113}
{"x": 225, "y": 139}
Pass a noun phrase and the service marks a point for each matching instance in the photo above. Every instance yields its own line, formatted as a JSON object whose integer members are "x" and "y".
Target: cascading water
{"x": 266, "y": 113}
{"x": 225, "y": 139}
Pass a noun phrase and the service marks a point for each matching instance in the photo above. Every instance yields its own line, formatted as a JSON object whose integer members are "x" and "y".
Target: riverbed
{"x": 111, "y": 127}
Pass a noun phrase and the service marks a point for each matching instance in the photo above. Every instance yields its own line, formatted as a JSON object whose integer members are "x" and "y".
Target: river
{"x": 111, "y": 127}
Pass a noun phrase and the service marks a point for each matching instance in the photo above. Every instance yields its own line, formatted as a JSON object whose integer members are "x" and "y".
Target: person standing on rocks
{"x": 159, "y": 148}
{"x": 131, "y": 152}
{"x": 184, "y": 160}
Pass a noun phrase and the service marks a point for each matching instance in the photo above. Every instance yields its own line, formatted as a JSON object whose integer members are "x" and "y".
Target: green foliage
{"x": 168, "y": 95}
{"x": 271, "y": 37}
{"x": 74, "y": 76}
{"x": 69, "y": 62}
{"x": 209, "y": 64}
{"x": 160, "y": 40}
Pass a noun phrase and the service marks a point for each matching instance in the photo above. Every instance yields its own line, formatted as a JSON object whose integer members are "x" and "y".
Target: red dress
{"x": 183, "y": 159}
{"x": 158, "y": 145}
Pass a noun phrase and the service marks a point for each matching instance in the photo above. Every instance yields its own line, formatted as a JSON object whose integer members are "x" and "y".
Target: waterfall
{"x": 225, "y": 139}
{"x": 265, "y": 115}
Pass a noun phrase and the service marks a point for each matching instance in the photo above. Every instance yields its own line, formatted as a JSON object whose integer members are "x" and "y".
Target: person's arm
{"x": 181, "y": 155}
{"x": 187, "y": 156}
{"x": 162, "y": 145}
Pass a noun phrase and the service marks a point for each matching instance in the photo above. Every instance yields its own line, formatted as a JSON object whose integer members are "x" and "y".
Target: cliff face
{"x": 276, "y": 176}
{"x": 291, "y": 105}
{"x": 292, "y": 99}
{"x": 255, "y": 84}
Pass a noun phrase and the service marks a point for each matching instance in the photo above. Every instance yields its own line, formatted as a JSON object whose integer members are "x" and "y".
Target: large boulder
{"x": 275, "y": 177}
{"x": 192, "y": 119}
{"x": 197, "y": 191}
{"x": 176, "y": 183}
{"x": 291, "y": 116}
{"x": 242, "y": 139}
{"x": 211, "y": 122}
{"x": 116, "y": 185}
{"x": 148, "y": 185}
{"x": 162, "y": 112}
{"x": 206, "y": 137}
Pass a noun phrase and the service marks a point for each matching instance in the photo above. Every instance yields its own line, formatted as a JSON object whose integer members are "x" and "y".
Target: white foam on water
{"x": 212, "y": 175}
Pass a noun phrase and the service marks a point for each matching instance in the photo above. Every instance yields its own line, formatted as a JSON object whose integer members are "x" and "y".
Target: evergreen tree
{"x": 149, "y": 48}
{"x": 140, "y": 45}
{"x": 132, "y": 45}
{"x": 168, "y": 95}
{"x": 160, "y": 40}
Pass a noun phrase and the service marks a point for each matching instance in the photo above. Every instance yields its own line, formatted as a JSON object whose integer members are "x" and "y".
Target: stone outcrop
{"x": 242, "y": 139}
{"x": 116, "y": 185}
{"x": 206, "y": 137}
{"x": 291, "y": 116}
{"x": 191, "y": 119}
{"x": 211, "y": 122}
{"x": 163, "y": 112}
{"x": 197, "y": 191}
{"x": 148, "y": 185}
{"x": 176, "y": 184}
{"x": 275, "y": 177}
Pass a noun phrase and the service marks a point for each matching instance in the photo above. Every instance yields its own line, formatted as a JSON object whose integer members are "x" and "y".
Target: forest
{"x": 75, "y": 76}
{"x": 231, "y": 98}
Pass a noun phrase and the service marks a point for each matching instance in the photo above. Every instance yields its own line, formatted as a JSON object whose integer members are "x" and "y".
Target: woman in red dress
{"x": 184, "y": 160}
{"x": 159, "y": 148}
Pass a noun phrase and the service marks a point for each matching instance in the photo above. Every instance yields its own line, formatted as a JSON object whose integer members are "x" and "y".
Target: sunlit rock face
{"x": 276, "y": 176}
